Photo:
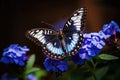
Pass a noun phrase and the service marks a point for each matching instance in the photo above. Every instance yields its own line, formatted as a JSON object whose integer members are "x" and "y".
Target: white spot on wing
{"x": 75, "y": 24}
{"x": 50, "y": 32}
{"x": 69, "y": 23}
{"x": 80, "y": 11}
{"x": 69, "y": 38}
{"x": 75, "y": 14}
{"x": 43, "y": 41}
{"x": 73, "y": 18}
{"x": 73, "y": 42}
{"x": 75, "y": 37}
{"x": 37, "y": 30}
{"x": 31, "y": 33}
{"x": 68, "y": 48}
{"x": 78, "y": 27}
{"x": 45, "y": 32}
{"x": 66, "y": 25}
{"x": 40, "y": 37}
{"x": 55, "y": 44}
{"x": 77, "y": 21}
{"x": 38, "y": 34}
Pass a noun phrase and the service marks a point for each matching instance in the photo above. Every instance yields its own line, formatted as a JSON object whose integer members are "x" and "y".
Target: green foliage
{"x": 89, "y": 70}
{"x": 40, "y": 74}
{"x": 31, "y": 69}
{"x": 107, "y": 57}
{"x": 74, "y": 76}
{"x": 99, "y": 74}
{"x": 30, "y": 62}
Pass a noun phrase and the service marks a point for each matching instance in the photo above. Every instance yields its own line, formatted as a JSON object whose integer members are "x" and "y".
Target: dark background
{"x": 18, "y": 16}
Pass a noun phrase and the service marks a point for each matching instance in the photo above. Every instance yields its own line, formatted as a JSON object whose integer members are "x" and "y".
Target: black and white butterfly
{"x": 57, "y": 44}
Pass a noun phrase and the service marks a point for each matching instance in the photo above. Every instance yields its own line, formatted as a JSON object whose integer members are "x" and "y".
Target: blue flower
{"x": 115, "y": 26}
{"x": 77, "y": 60}
{"x": 92, "y": 45}
{"x": 31, "y": 77}
{"x": 97, "y": 40}
{"x": 14, "y": 54}
{"x": 55, "y": 65}
{"x": 94, "y": 42}
{"x": 109, "y": 29}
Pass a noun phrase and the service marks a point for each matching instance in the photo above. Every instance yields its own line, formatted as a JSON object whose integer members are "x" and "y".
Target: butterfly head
{"x": 60, "y": 32}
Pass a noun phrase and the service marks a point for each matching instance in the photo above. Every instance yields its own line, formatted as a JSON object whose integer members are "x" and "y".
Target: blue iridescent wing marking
{"x": 73, "y": 30}
{"x": 48, "y": 39}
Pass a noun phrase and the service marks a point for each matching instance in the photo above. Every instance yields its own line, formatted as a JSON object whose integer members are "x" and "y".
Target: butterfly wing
{"x": 73, "y": 31}
{"x": 48, "y": 39}
{"x": 76, "y": 22}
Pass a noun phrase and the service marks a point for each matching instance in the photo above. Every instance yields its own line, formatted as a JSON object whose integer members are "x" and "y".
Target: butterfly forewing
{"x": 48, "y": 39}
{"x": 41, "y": 35}
{"x": 76, "y": 22}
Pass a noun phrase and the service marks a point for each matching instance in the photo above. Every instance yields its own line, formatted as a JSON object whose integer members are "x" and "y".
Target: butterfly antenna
{"x": 47, "y": 23}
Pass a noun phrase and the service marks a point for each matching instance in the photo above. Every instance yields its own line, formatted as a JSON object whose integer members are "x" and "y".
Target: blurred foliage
{"x": 35, "y": 70}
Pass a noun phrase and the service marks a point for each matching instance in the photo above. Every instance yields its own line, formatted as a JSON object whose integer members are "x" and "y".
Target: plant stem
{"x": 94, "y": 67}
{"x": 95, "y": 78}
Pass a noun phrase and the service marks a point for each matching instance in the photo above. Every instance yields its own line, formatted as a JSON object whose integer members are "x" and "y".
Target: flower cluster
{"x": 92, "y": 45}
{"x": 14, "y": 54}
{"x": 94, "y": 42}
{"x": 55, "y": 65}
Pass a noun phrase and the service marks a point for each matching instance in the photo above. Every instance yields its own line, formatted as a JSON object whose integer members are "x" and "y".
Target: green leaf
{"x": 40, "y": 74}
{"x": 99, "y": 74}
{"x": 107, "y": 57}
{"x": 30, "y": 62}
{"x": 74, "y": 75}
{"x": 34, "y": 69}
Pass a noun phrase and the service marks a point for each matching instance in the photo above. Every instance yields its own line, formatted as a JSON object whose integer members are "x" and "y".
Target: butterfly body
{"x": 66, "y": 41}
{"x": 62, "y": 41}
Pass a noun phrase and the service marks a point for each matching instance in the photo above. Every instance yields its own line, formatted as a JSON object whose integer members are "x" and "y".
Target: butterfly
{"x": 65, "y": 41}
